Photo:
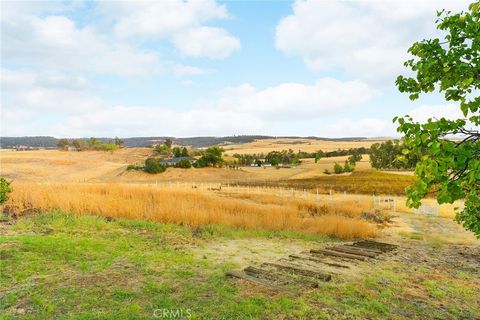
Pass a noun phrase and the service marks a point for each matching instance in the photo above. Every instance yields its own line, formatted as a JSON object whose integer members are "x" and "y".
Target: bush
{"x": 108, "y": 146}
{"x": 337, "y": 168}
{"x": 5, "y": 189}
{"x": 184, "y": 163}
{"x": 326, "y": 171}
{"x": 348, "y": 167}
{"x": 153, "y": 165}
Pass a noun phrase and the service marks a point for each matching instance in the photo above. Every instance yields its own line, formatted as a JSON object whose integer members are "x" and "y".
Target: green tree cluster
{"x": 154, "y": 165}
{"x": 390, "y": 155}
{"x": 180, "y": 152}
{"x": 212, "y": 157}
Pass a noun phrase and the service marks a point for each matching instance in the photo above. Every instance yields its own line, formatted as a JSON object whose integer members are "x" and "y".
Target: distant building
{"x": 175, "y": 160}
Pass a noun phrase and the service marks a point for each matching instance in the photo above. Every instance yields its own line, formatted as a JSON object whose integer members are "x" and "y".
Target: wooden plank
{"x": 364, "y": 248}
{"x": 315, "y": 259}
{"x": 353, "y": 250}
{"x": 384, "y": 247}
{"x": 297, "y": 270}
{"x": 282, "y": 277}
{"x": 339, "y": 254}
{"x": 242, "y": 275}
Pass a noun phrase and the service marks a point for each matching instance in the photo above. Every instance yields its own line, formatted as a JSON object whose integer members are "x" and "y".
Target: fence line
{"x": 379, "y": 202}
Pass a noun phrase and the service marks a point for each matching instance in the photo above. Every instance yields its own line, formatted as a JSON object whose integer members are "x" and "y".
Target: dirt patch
{"x": 243, "y": 252}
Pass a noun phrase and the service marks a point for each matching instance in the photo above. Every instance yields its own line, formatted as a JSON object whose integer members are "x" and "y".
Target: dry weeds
{"x": 191, "y": 207}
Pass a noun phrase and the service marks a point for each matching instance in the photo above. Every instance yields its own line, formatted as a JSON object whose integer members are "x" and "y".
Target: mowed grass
{"x": 61, "y": 266}
{"x": 194, "y": 208}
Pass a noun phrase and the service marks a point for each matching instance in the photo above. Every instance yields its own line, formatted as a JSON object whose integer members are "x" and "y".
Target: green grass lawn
{"x": 60, "y": 266}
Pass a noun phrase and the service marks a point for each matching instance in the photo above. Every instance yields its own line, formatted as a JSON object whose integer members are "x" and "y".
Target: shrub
{"x": 153, "y": 165}
{"x": 348, "y": 167}
{"x": 5, "y": 189}
{"x": 184, "y": 163}
{"x": 337, "y": 168}
{"x": 108, "y": 146}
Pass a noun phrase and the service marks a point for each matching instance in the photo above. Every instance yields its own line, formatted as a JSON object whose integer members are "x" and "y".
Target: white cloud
{"x": 157, "y": 19}
{"x": 42, "y": 36}
{"x": 366, "y": 39}
{"x": 180, "y": 21}
{"x": 289, "y": 101}
{"x": 206, "y": 42}
{"x": 423, "y": 113}
{"x": 56, "y": 43}
{"x": 143, "y": 121}
{"x": 367, "y": 127}
{"x": 50, "y": 94}
{"x": 75, "y": 110}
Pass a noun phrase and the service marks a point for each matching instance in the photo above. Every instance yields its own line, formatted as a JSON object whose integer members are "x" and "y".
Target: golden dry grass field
{"x": 53, "y": 166}
{"x": 303, "y": 144}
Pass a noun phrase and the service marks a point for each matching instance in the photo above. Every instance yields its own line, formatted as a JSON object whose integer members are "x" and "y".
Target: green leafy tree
{"x": 5, "y": 189}
{"x": 348, "y": 167}
{"x": 184, "y": 163}
{"x": 389, "y": 155}
{"x": 91, "y": 143}
{"x": 117, "y": 141}
{"x": 354, "y": 158}
{"x": 211, "y": 157}
{"x": 63, "y": 144}
{"x": 177, "y": 152}
{"x": 184, "y": 152}
{"x": 154, "y": 165}
{"x": 162, "y": 149}
{"x": 79, "y": 144}
{"x": 168, "y": 142}
{"x": 337, "y": 169}
{"x": 318, "y": 155}
{"x": 451, "y": 66}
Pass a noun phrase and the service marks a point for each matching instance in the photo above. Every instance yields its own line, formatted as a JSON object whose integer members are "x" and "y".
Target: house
{"x": 175, "y": 160}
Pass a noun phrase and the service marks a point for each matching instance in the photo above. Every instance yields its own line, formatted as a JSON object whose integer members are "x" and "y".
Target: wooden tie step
{"x": 354, "y": 250}
{"x": 276, "y": 277}
{"x": 300, "y": 271}
{"x": 292, "y": 271}
{"x": 339, "y": 254}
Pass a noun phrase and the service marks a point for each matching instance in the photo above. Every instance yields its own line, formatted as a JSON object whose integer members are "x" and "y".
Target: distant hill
{"x": 195, "y": 142}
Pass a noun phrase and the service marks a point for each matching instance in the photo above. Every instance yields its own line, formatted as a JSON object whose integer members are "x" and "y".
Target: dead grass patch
{"x": 188, "y": 207}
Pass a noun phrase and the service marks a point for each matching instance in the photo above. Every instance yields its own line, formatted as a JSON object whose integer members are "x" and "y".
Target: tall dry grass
{"x": 352, "y": 207}
{"x": 189, "y": 207}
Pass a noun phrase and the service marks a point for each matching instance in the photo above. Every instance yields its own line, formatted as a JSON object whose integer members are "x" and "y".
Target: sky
{"x": 212, "y": 68}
